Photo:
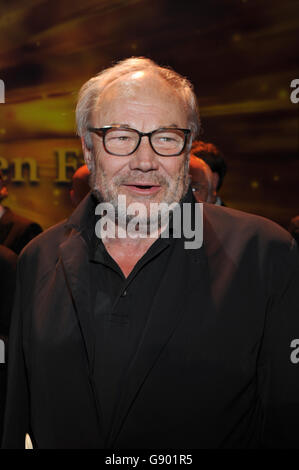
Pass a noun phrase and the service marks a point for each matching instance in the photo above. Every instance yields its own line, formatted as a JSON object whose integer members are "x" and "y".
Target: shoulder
{"x": 248, "y": 238}
{"x": 235, "y": 224}
{"x": 42, "y": 251}
{"x": 46, "y": 240}
{"x": 253, "y": 243}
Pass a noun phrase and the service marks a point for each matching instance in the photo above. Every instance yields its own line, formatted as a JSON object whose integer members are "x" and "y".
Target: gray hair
{"x": 92, "y": 89}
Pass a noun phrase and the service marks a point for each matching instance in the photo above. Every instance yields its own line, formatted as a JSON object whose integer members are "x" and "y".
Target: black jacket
{"x": 214, "y": 365}
{"x": 17, "y": 231}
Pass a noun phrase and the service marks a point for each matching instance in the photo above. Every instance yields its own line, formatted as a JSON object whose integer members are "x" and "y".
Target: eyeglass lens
{"x": 123, "y": 141}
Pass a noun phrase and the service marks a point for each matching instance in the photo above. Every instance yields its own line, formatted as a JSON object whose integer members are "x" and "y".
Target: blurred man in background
{"x": 214, "y": 158}
{"x": 15, "y": 231}
{"x": 80, "y": 185}
{"x": 201, "y": 180}
{"x": 8, "y": 263}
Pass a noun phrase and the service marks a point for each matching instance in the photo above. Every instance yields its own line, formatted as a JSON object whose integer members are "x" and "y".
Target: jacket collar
{"x": 82, "y": 218}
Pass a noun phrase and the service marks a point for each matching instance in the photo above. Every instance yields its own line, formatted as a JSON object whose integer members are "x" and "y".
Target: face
{"x": 144, "y": 102}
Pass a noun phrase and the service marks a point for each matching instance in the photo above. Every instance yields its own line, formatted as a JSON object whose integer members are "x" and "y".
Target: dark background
{"x": 241, "y": 56}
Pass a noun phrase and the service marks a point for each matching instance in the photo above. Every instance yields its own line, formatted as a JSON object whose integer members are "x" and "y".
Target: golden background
{"x": 241, "y": 56}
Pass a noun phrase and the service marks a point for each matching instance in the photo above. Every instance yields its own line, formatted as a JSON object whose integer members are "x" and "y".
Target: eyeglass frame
{"x": 105, "y": 129}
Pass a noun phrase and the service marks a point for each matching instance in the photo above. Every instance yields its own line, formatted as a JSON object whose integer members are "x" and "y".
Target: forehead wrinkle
{"x": 147, "y": 113}
{"x": 131, "y": 86}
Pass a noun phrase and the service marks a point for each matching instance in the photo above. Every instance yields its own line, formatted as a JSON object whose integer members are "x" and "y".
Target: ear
{"x": 215, "y": 181}
{"x": 88, "y": 156}
{"x": 3, "y": 192}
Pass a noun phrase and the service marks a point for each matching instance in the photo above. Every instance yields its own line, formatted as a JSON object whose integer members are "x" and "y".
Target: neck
{"x": 127, "y": 251}
{"x": 131, "y": 241}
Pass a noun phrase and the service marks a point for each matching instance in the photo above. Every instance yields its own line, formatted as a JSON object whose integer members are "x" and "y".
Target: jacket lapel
{"x": 74, "y": 254}
{"x": 74, "y": 258}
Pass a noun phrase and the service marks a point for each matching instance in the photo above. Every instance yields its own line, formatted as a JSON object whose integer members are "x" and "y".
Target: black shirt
{"x": 121, "y": 310}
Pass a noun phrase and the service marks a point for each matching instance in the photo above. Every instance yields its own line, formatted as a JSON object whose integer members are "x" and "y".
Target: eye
{"x": 169, "y": 137}
{"x": 165, "y": 138}
{"x": 121, "y": 137}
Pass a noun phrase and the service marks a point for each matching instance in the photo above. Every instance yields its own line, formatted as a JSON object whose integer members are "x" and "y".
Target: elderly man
{"x": 15, "y": 231}
{"x": 201, "y": 180}
{"x": 80, "y": 186}
{"x": 137, "y": 341}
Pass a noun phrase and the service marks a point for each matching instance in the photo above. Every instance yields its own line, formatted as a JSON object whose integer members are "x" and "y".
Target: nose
{"x": 144, "y": 159}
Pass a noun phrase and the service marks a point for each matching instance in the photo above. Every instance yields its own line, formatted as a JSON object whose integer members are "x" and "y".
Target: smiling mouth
{"x": 143, "y": 188}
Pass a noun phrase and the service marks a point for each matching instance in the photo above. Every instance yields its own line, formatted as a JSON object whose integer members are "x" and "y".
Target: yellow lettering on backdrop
{"x": 65, "y": 159}
{"x": 3, "y": 163}
{"x": 18, "y": 170}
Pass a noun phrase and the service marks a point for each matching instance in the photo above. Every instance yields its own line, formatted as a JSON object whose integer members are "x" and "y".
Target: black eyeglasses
{"x": 122, "y": 141}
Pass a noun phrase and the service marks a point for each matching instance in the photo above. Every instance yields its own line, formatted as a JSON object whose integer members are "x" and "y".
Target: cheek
{"x": 111, "y": 165}
{"x": 173, "y": 167}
